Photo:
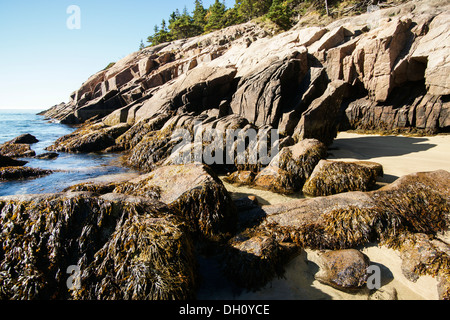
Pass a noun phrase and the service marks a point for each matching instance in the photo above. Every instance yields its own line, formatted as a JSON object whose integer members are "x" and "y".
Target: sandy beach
{"x": 399, "y": 156}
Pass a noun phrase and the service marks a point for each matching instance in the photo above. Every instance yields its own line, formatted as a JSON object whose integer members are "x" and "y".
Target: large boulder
{"x": 25, "y": 138}
{"x": 416, "y": 203}
{"x": 195, "y": 191}
{"x": 331, "y": 177}
{"x": 252, "y": 262}
{"x": 423, "y": 255}
{"x": 291, "y": 167}
{"x": 123, "y": 247}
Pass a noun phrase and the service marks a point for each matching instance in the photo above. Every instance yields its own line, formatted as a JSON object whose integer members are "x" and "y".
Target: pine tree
{"x": 160, "y": 35}
{"x": 141, "y": 45}
{"x": 182, "y": 26}
{"x": 199, "y": 15}
{"x": 249, "y": 9}
{"x": 215, "y": 16}
{"x": 280, "y": 13}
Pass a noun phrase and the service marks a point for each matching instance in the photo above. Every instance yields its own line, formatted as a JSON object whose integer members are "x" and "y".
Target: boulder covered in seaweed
{"x": 195, "y": 191}
{"x": 149, "y": 256}
{"x": 123, "y": 246}
{"x": 291, "y": 167}
{"x": 416, "y": 203}
{"x": 18, "y": 173}
{"x": 91, "y": 137}
{"x": 240, "y": 178}
{"x": 16, "y": 150}
{"x": 422, "y": 254}
{"x": 253, "y": 262}
{"x": 331, "y": 177}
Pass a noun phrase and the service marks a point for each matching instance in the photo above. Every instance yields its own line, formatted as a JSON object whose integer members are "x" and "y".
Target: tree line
{"x": 181, "y": 25}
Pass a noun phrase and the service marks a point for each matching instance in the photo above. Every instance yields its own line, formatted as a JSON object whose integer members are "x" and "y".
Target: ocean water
{"x": 71, "y": 168}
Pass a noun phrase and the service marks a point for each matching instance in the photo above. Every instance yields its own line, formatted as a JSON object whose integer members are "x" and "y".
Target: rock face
{"x": 305, "y": 81}
{"x": 139, "y": 246}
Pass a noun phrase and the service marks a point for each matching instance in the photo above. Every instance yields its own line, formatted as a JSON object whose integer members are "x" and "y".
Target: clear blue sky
{"x": 42, "y": 61}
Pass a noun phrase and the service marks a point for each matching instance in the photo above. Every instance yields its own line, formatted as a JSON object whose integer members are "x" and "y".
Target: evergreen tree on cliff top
{"x": 281, "y": 14}
{"x": 215, "y": 16}
{"x": 249, "y": 9}
{"x": 199, "y": 15}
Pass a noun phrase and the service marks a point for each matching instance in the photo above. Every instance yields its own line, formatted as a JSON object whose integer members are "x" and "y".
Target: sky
{"x": 43, "y": 59}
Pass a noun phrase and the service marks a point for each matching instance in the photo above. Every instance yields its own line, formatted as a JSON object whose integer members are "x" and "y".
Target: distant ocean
{"x": 72, "y": 168}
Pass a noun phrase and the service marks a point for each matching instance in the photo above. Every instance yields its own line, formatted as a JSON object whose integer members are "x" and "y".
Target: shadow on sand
{"x": 369, "y": 147}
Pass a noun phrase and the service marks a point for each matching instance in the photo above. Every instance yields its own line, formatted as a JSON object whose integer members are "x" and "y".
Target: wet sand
{"x": 399, "y": 156}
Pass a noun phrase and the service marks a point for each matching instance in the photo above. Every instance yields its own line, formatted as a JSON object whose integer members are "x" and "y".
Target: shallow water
{"x": 70, "y": 168}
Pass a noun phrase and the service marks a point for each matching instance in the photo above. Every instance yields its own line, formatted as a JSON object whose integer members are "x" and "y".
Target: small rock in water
{"x": 16, "y": 173}
{"x": 47, "y": 156}
{"x": 9, "y": 162}
{"x": 25, "y": 138}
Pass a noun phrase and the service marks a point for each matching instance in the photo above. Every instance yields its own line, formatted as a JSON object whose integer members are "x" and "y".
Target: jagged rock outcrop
{"x": 382, "y": 71}
{"x": 305, "y": 81}
{"x": 319, "y": 121}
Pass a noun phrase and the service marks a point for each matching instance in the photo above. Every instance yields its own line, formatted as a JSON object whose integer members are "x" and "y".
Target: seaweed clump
{"x": 128, "y": 236}
{"x": 253, "y": 262}
{"x": 148, "y": 257}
